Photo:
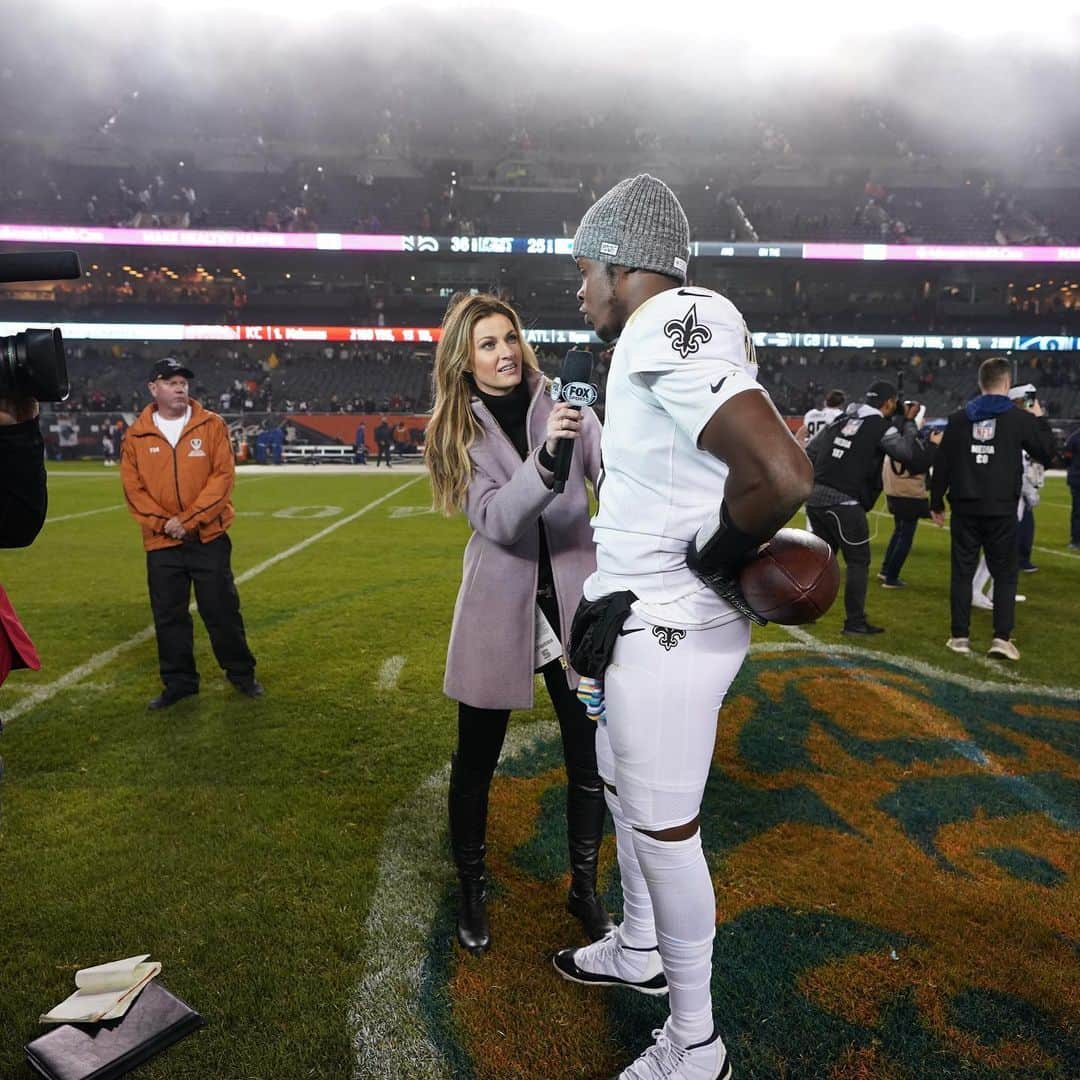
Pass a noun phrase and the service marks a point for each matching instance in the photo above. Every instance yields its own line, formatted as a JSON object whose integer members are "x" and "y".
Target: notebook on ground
{"x": 112, "y": 1048}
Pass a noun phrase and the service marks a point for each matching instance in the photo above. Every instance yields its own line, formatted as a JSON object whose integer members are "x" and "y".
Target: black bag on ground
{"x": 593, "y": 632}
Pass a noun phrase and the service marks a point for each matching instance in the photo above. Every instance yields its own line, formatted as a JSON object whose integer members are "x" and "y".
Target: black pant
{"x": 481, "y": 733}
{"x": 384, "y": 452}
{"x": 1074, "y": 525}
{"x": 1025, "y": 536}
{"x": 170, "y": 573}
{"x": 899, "y": 547}
{"x": 846, "y": 529}
{"x": 996, "y": 537}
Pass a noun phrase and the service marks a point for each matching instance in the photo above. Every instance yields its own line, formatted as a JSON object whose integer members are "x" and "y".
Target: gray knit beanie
{"x": 638, "y": 223}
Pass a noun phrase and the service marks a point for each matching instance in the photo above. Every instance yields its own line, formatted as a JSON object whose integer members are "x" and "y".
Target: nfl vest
{"x": 850, "y": 457}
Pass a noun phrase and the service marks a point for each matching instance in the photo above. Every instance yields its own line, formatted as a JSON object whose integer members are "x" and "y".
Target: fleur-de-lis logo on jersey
{"x": 668, "y": 636}
{"x": 687, "y": 334}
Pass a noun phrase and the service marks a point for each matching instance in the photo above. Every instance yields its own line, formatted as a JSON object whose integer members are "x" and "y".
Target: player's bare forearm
{"x": 769, "y": 474}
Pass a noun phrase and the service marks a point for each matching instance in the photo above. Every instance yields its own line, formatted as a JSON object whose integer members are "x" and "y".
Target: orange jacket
{"x": 194, "y": 482}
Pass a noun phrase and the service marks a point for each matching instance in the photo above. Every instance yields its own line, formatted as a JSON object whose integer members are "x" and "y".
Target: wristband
{"x": 721, "y": 545}
{"x": 545, "y": 459}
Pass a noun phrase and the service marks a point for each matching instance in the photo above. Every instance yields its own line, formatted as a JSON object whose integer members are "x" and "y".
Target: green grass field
{"x": 260, "y": 849}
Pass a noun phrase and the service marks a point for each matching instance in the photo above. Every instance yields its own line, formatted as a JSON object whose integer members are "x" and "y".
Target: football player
{"x": 699, "y": 470}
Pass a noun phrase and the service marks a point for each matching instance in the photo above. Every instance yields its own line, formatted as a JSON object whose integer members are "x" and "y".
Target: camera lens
{"x": 32, "y": 364}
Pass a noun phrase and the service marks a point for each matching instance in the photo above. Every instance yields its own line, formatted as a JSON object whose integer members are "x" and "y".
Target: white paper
{"x": 105, "y": 992}
{"x": 548, "y": 646}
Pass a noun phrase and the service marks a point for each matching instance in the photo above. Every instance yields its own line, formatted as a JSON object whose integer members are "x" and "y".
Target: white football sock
{"x": 684, "y": 906}
{"x": 638, "y": 931}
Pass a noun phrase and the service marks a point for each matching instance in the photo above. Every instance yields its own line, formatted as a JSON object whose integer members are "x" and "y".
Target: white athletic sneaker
{"x": 959, "y": 644}
{"x": 667, "y": 1060}
{"x": 608, "y": 962}
{"x": 982, "y": 601}
{"x": 1004, "y": 650}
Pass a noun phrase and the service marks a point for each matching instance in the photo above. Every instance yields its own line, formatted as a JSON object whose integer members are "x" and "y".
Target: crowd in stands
{"x": 291, "y": 378}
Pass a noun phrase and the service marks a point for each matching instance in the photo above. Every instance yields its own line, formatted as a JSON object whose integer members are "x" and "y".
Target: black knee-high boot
{"x": 468, "y": 824}
{"x": 585, "y": 808}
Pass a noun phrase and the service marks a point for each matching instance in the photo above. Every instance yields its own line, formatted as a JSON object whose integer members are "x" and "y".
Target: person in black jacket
{"x": 1072, "y": 462}
{"x": 23, "y": 492}
{"x": 979, "y": 466}
{"x": 847, "y": 457}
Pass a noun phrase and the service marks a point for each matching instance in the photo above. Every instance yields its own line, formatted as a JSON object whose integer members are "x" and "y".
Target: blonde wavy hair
{"x": 453, "y": 427}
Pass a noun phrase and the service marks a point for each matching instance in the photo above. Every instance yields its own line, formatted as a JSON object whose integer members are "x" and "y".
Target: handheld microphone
{"x": 573, "y": 387}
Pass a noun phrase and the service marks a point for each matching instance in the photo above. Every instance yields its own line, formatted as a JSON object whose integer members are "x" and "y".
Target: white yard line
{"x": 386, "y": 1020}
{"x": 390, "y": 672}
{"x": 100, "y": 660}
{"x": 806, "y": 641}
{"x": 82, "y": 514}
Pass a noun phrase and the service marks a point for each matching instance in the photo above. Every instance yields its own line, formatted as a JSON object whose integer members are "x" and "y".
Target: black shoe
{"x": 893, "y": 583}
{"x": 473, "y": 929}
{"x": 586, "y": 809}
{"x": 253, "y": 689}
{"x": 588, "y": 910}
{"x": 1029, "y": 569}
{"x": 169, "y": 697}
{"x": 863, "y": 628}
{"x": 468, "y": 825}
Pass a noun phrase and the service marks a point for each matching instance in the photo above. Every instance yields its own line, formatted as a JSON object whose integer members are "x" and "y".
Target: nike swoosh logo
{"x": 636, "y": 630}
{"x": 699, "y": 295}
{"x": 715, "y": 387}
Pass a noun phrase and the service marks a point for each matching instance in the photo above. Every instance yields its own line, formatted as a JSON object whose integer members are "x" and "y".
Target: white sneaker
{"x": 959, "y": 644}
{"x": 1020, "y": 598}
{"x": 982, "y": 601}
{"x": 608, "y": 962}
{"x": 1004, "y": 650}
{"x": 667, "y": 1060}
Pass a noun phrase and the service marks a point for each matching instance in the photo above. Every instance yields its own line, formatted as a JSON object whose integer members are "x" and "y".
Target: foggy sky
{"x": 67, "y": 65}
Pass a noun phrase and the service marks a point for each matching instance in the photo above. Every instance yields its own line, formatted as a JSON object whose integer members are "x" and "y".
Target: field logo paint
{"x": 861, "y": 820}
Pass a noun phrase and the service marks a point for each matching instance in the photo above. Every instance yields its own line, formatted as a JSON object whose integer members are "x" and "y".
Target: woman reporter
{"x": 490, "y": 449}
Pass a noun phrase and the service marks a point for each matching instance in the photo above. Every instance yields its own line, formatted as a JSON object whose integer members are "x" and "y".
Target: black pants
{"x": 996, "y": 537}
{"x": 384, "y": 452}
{"x": 170, "y": 573}
{"x": 1074, "y": 525}
{"x": 899, "y": 547}
{"x": 1025, "y": 536}
{"x": 846, "y": 529}
{"x": 481, "y": 733}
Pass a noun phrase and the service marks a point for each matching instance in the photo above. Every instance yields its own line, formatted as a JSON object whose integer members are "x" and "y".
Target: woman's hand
{"x": 563, "y": 423}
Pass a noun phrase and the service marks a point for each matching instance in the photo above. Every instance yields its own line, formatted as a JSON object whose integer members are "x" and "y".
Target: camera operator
{"x": 980, "y": 467}
{"x": 23, "y": 495}
{"x": 908, "y": 500}
{"x": 23, "y": 502}
{"x": 848, "y": 457}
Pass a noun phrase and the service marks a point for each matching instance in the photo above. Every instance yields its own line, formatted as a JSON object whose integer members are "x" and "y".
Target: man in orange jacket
{"x": 177, "y": 469}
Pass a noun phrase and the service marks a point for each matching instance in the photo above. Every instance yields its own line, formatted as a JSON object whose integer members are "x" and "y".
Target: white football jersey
{"x": 682, "y": 355}
{"x": 816, "y": 419}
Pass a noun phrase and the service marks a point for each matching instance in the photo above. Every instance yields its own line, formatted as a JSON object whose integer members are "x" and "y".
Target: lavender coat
{"x": 489, "y": 663}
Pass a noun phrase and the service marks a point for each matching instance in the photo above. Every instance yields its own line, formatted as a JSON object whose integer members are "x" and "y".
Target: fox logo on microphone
{"x": 573, "y": 393}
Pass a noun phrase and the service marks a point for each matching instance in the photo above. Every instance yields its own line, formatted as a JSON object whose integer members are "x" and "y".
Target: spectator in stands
{"x": 177, "y": 470}
{"x": 490, "y": 453}
{"x": 384, "y": 438}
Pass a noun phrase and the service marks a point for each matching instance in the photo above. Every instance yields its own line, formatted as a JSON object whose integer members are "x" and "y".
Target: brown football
{"x": 794, "y": 580}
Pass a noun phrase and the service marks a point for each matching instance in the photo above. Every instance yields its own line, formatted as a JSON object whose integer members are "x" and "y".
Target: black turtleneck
{"x": 510, "y": 411}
